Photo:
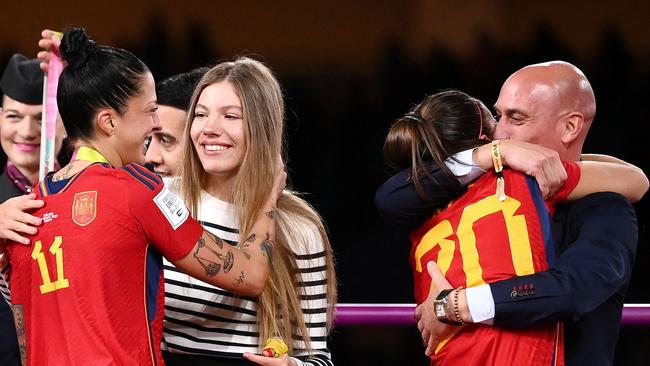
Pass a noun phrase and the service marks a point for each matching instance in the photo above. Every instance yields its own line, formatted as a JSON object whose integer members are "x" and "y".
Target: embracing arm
{"x": 243, "y": 269}
{"x": 15, "y": 221}
{"x": 400, "y": 205}
{"x": 595, "y": 266}
{"x": 534, "y": 160}
{"x": 609, "y": 174}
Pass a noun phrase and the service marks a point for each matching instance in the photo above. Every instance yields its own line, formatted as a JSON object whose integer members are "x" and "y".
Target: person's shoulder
{"x": 303, "y": 234}
{"x": 138, "y": 176}
{"x": 7, "y": 188}
{"x": 601, "y": 199}
{"x": 608, "y": 208}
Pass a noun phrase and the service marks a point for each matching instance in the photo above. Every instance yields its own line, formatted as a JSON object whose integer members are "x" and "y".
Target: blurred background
{"x": 348, "y": 68}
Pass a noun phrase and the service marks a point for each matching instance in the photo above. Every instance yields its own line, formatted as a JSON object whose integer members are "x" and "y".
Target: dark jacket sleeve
{"x": 399, "y": 204}
{"x": 599, "y": 238}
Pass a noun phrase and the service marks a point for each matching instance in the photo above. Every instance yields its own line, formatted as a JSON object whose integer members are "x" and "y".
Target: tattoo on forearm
{"x": 267, "y": 247}
{"x": 19, "y": 321}
{"x": 211, "y": 268}
{"x": 228, "y": 262}
{"x": 246, "y": 243}
{"x": 270, "y": 214}
{"x": 239, "y": 280}
{"x": 217, "y": 240}
{"x": 204, "y": 252}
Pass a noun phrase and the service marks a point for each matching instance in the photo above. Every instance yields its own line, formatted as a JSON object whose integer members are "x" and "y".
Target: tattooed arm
{"x": 243, "y": 269}
{"x": 19, "y": 322}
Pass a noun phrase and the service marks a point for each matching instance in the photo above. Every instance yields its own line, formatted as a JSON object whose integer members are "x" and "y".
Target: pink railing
{"x": 402, "y": 314}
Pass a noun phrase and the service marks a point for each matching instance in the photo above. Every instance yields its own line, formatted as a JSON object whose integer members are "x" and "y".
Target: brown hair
{"x": 279, "y": 309}
{"x": 442, "y": 125}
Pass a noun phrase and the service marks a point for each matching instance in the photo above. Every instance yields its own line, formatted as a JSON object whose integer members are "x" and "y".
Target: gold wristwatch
{"x": 443, "y": 308}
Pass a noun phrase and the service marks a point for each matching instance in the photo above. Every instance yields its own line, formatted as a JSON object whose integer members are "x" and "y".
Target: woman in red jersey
{"x": 89, "y": 288}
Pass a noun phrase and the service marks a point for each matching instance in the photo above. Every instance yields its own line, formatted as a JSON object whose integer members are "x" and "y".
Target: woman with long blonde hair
{"x": 233, "y": 137}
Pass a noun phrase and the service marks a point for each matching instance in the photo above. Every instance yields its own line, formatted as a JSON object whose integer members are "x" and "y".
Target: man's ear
{"x": 572, "y": 126}
{"x": 104, "y": 121}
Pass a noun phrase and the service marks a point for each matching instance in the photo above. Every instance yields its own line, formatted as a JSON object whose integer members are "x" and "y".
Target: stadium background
{"x": 348, "y": 68}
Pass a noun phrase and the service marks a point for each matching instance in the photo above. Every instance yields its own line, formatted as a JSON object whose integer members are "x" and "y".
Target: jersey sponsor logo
{"x": 49, "y": 216}
{"x": 172, "y": 207}
{"x": 84, "y": 207}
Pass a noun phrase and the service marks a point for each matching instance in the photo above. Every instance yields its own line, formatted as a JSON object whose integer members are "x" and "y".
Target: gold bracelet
{"x": 498, "y": 168}
{"x": 459, "y": 319}
{"x": 496, "y": 155}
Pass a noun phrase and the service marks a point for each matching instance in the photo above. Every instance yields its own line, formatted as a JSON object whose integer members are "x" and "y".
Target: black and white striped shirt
{"x": 203, "y": 319}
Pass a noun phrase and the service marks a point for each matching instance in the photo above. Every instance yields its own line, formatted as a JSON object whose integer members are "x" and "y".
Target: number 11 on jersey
{"x": 37, "y": 254}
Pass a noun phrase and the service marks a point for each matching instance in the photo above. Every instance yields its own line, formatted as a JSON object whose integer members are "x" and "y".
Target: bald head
{"x": 571, "y": 87}
{"x": 551, "y": 104}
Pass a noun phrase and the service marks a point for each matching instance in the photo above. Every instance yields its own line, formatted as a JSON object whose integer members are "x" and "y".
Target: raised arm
{"x": 48, "y": 43}
{"x": 243, "y": 269}
{"x": 610, "y": 175}
{"x": 400, "y": 205}
{"x": 15, "y": 219}
{"x": 534, "y": 160}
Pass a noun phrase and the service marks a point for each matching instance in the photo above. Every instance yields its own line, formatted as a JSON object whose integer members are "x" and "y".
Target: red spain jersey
{"x": 89, "y": 289}
{"x": 478, "y": 239}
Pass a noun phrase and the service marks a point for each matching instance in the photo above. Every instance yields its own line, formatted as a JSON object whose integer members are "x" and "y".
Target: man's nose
{"x": 500, "y": 132}
{"x": 156, "y": 125}
{"x": 153, "y": 153}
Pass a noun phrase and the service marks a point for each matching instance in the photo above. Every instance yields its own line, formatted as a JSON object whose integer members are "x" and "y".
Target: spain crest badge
{"x": 84, "y": 207}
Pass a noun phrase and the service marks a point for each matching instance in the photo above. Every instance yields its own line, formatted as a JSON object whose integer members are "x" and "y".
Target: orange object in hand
{"x": 274, "y": 347}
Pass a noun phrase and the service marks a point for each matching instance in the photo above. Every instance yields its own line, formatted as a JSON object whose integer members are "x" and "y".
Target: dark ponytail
{"x": 95, "y": 77}
{"x": 442, "y": 125}
{"x": 76, "y": 48}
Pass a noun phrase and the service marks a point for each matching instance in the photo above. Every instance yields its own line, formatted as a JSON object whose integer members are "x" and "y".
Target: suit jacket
{"x": 596, "y": 239}
{"x": 7, "y": 188}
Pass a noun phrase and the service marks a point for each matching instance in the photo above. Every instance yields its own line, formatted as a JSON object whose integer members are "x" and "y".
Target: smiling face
{"x": 217, "y": 131}
{"x": 137, "y": 123}
{"x": 20, "y": 134}
{"x": 165, "y": 149}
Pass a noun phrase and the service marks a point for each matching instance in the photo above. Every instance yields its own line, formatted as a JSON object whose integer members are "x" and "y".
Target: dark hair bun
{"x": 76, "y": 47}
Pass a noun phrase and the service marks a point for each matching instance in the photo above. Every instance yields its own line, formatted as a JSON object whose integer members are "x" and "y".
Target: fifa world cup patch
{"x": 84, "y": 207}
{"x": 172, "y": 207}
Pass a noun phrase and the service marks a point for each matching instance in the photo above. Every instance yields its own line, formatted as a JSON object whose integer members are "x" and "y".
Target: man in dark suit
{"x": 20, "y": 137}
{"x": 553, "y": 105}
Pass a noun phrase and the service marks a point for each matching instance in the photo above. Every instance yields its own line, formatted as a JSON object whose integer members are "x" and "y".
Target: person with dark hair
{"x": 174, "y": 94}
{"x": 502, "y": 212}
{"x": 552, "y": 104}
{"x": 89, "y": 288}
{"x": 20, "y": 137}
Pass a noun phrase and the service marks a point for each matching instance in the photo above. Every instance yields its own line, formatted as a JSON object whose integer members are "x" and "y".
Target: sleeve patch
{"x": 172, "y": 207}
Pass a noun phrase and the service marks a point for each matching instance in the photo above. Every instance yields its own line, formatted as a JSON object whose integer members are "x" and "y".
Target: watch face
{"x": 440, "y": 309}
